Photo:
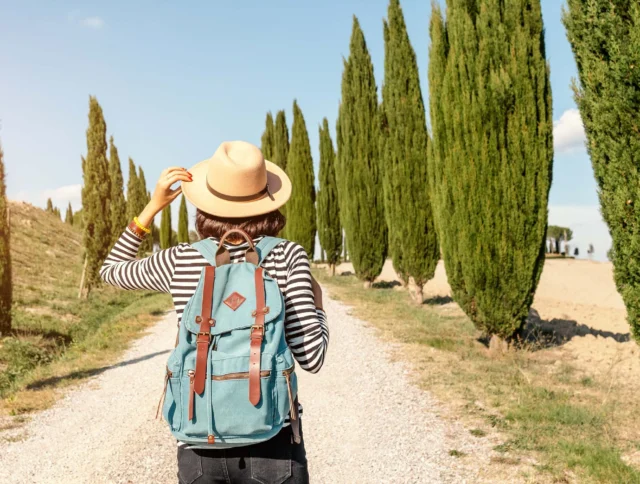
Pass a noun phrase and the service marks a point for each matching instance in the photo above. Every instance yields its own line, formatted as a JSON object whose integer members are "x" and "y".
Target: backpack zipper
{"x": 239, "y": 375}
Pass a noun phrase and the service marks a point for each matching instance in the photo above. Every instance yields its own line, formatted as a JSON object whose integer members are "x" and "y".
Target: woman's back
{"x": 177, "y": 271}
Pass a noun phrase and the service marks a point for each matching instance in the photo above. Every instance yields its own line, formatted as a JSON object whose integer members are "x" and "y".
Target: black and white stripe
{"x": 177, "y": 270}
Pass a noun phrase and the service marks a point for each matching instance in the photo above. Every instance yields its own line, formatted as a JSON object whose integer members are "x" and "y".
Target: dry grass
{"x": 573, "y": 426}
{"x": 57, "y": 339}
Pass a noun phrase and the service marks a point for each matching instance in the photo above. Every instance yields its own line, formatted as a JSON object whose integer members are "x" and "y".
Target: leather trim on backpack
{"x": 204, "y": 335}
{"x": 257, "y": 334}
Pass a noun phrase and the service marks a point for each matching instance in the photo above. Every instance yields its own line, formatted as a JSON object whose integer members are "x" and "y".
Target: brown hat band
{"x": 245, "y": 198}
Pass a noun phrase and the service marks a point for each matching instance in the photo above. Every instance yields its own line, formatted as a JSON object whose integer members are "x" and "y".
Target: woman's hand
{"x": 163, "y": 195}
{"x": 317, "y": 292}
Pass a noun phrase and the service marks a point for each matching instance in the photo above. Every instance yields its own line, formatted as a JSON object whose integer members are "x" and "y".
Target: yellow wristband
{"x": 140, "y": 226}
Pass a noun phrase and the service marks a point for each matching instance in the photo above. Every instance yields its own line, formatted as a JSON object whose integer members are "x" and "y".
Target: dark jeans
{"x": 275, "y": 461}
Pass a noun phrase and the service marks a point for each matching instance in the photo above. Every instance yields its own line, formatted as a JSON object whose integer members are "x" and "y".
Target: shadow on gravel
{"x": 77, "y": 375}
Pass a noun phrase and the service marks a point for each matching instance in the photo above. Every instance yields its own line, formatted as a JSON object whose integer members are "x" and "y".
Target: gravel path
{"x": 363, "y": 423}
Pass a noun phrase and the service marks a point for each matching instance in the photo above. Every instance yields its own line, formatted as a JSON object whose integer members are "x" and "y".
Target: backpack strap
{"x": 266, "y": 245}
{"x": 257, "y": 335}
{"x": 207, "y": 249}
{"x": 204, "y": 335}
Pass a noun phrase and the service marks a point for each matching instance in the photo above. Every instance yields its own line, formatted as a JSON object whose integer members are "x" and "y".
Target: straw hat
{"x": 237, "y": 182}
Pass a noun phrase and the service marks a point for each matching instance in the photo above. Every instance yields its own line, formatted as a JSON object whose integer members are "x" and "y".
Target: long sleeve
{"x": 122, "y": 269}
{"x": 306, "y": 326}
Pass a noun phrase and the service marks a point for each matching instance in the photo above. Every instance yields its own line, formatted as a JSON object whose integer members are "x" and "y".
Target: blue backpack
{"x": 230, "y": 379}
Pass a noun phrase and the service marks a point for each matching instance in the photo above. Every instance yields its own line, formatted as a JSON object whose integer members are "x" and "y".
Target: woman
{"x": 236, "y": 188}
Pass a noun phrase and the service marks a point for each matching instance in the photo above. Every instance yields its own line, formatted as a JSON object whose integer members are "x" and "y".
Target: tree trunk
{"x": 332, "y": 269}
{"x": 367, "y": 284}
{"x": 83, "y": 293}
{"x": 415, "y": 291}
{"x": 497, "y": 345}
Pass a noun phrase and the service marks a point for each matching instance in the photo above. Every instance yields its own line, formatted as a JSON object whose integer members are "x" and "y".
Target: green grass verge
{"x": 542, "y": 404}
{"x": 45, "y": 354}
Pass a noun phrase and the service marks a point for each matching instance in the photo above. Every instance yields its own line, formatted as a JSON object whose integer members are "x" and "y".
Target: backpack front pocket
{"x": 233, "y": 413}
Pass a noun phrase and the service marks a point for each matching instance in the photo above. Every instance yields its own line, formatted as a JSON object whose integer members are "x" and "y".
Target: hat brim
{"x": 197, "y": 193}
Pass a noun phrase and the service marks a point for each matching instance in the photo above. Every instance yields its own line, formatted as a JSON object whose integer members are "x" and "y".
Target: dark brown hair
{"x": 269, "y": 224}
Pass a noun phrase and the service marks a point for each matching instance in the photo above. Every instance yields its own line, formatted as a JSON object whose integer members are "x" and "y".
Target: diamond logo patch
{"x": 235, "y": 300}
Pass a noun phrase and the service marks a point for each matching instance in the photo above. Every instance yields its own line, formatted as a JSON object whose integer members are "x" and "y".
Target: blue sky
{"x": 177, "y": 78}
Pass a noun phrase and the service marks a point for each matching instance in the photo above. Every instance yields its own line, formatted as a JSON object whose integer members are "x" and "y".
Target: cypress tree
{"x": 280, "y": 152}
{"x": 68, "y": 218}
{"x": 268, "y": 138}
{"x": 605, "y": 38}
{"x": 165, "y": 228}
{"x": 183, "y": 221}
{"x": 6, "y": 286}
{"x": 413, "y": 243}
{"x": 144, "y": 197}
{"x": 118, "y": 205}
{"x": 490, "y": 170}
{"x": 78, "y": 220}
{"x": 329, "y": 230}
{"x": 133, "y": 193}
{"x": 358, "y": 162}
{"x": 95, "y": 196}
{"x": 50, "y": 207}
{"x": 301, "y": 224}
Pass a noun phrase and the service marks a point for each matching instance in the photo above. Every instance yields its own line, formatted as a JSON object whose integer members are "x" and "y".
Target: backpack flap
{"x": 234, "y": 299}
{"x": 207, "y": 249}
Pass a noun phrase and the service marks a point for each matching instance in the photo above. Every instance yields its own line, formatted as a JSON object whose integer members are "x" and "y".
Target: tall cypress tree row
{"x": 165, "y": 228}
{"x": 358, "y": 166}
{"x": 493, "y": 152}
{"x": 68, "y": 217}
{"x": 144, "y": 197}
{"x": 50, "y": 207}
{"x": 329, "y": 229}
{"x": 95, "y": 197}
{"x": 605, "y": 38}
{"x": 413, "y": 244}
{"x": 183, "y": 221}
{"x": 301, "y": 223}
{"x": 268, "y": 138}
{"x": 6, "y": 286}
{"x": 118, "y": 205}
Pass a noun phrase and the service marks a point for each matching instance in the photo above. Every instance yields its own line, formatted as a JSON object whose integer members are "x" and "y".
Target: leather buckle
{"x": 204, "y": 333}
{"x": 259, "y": 327}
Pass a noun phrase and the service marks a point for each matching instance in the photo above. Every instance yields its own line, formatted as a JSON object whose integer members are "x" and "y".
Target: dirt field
{"x": 578, "y": 300}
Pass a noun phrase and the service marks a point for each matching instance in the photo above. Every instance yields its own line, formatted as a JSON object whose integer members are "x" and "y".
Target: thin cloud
{"x": 568, "y": 132}
{"x": 63, "y": 195}
{"x": 60, "y": 197}
{"x": 95, "y": 23}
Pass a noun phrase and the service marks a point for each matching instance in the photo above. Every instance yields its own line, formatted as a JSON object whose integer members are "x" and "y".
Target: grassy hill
{"x": 57, "y": 338}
